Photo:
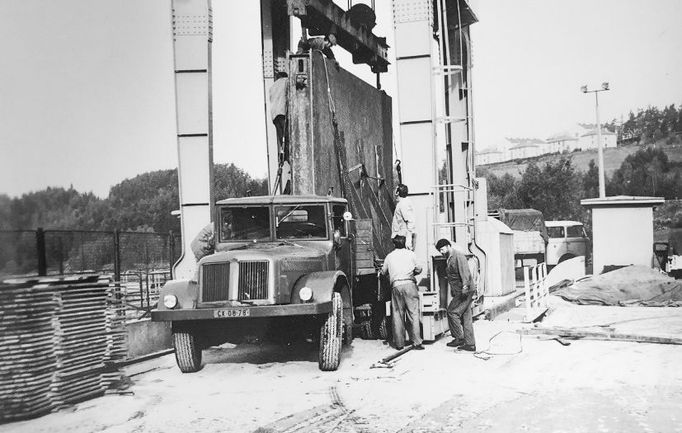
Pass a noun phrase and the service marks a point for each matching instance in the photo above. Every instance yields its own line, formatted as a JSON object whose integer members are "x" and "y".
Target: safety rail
{"x": 536, "y": 291}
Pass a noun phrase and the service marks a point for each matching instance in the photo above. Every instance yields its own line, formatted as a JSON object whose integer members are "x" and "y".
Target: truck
{"x": 278, "y": 260}
{"x": 566, "y": 239}
{"x": 303, "y": 260}
{"x": 530, "y": 234}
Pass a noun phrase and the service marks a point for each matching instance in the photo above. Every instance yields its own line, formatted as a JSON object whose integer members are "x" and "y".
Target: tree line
{"x": 556, "y": 188}
{"x": 143, "y": 203}
{"x": 652, "y": 124}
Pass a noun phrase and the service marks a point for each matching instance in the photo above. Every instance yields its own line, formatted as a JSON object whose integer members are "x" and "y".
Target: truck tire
{"x": 379, "y": 322}
{"x": 331, "y": 333}
{"x": 187, "y": 350}
{"x": 565, "y": 257}
{"x": 347, "y": 318}
{"x": 383, "y": 330}
{"x": 366, "y": 330}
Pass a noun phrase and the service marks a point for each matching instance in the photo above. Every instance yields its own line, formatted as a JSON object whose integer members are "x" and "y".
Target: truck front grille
{"x": 215, "y": 282}
{"x": 253, "y": 280}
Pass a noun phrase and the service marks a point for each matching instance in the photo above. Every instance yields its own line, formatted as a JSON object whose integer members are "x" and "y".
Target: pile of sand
{"x": 632, "y": 285}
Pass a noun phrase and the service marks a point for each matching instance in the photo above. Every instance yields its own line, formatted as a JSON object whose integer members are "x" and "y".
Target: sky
{"x": 87, "y": 96}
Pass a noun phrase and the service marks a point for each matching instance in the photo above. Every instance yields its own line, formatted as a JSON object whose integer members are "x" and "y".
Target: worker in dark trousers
{"x": 278, "y": 112}
{"x": 401, "y": 267}
{"x": 463, "y": 292}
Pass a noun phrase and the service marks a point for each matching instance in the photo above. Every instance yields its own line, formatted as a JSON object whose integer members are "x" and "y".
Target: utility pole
{"x": 600, "y": 146}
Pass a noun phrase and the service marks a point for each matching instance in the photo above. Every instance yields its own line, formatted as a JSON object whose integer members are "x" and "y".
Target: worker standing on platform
{"x": 401, "y": 267}
{"x": 403, "y": 217}
{"x": 462, "y": 291}
{"x": 324, "y": 44}
{"x": 278, "y": 112}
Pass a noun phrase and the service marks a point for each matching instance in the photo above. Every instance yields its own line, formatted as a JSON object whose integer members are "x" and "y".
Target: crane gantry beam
{"x": 323, "y": 16}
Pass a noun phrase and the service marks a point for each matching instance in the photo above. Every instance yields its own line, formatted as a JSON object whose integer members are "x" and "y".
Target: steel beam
{"x": 467, "y": 14}
{"x": 323, "y": 16}
{"x": 192, "y": 39}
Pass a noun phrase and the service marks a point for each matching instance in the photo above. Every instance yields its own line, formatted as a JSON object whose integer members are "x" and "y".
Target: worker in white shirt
{"x": 401, "y": 267}
{"x": 403, "y": 218}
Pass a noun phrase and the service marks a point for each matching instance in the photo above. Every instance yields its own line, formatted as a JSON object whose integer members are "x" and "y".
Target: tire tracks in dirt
{"x": 332, "y": 418}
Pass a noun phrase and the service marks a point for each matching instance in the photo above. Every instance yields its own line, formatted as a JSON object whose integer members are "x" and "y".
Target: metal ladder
{"x": 444, "y": 194}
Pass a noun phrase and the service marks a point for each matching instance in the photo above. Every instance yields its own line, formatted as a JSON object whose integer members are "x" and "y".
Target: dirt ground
{"x": 522, "y": 384}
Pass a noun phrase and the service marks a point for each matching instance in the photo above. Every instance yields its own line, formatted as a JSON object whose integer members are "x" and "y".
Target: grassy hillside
{"x": 613, "y": 158}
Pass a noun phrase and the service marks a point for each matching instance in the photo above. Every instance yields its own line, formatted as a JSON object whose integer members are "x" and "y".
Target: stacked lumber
{"x": 27, "y": 358}
{"x": 58, "y": 340}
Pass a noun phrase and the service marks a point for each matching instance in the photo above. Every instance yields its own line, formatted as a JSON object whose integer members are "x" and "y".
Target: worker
{"x": 401, "y": 267}
{"x": 463, "y": 292}
{"x": 403, "y": 217}
{"x": 278, "y": 112}
{"x": 323, "y": 44}
{"x": 203, "y": 243}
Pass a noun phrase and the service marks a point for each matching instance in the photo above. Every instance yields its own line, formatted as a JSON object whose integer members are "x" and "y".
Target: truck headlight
{"x": 306, "y": 294}
{"x": 170, "y": 301}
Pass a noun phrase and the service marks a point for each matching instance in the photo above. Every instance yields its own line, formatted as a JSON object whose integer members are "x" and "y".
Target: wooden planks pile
{"x": 58, "y": 338}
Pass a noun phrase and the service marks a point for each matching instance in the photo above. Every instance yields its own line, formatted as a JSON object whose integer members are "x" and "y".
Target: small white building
{"x": 588, "y": 140}
{"x": 489, "y": 156}
{"x": 562, "y": 143}
{"x": 622, "y": 230}
{"x": 525, "y": 147}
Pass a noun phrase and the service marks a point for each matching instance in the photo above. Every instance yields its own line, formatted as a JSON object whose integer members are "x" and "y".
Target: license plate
{"x": 232, "y": 312}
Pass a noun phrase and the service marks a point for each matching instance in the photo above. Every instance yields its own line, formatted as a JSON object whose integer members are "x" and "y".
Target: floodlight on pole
{"x": 600, "y": 147}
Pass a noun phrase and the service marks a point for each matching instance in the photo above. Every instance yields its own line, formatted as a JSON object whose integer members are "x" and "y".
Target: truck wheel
{"x": 347, "y": 319}
{"x": 331, "y": 335}
{"x": 566, "y": 257}
{"x": 379, "y": 322}
{"x": 366, "y": 330}
{"x": 187, "y": 350}
{"x": 384, "y": 330}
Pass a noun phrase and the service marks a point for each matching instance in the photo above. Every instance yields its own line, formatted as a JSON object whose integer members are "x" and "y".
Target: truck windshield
{"x": 555, "y": 232}
{"x": 250, "y": 223}
{"x": 574, "y": 231}
{"x": 301, "y": 222}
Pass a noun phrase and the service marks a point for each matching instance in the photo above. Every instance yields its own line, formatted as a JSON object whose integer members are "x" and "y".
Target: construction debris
{"x": 598, "y": 334}
{"x": 388, "y": 361}
{"x": 58, "y": 337}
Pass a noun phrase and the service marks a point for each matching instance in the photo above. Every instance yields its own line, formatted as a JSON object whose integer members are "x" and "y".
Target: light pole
{"x": 600, "y": 147}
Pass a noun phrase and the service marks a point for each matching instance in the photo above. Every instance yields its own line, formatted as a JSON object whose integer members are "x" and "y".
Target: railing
{"x": 138, "y": 262}
{"x": 141, "y": 290}
{"x": 536, "y": 291}
{"x": 27, "y": 253}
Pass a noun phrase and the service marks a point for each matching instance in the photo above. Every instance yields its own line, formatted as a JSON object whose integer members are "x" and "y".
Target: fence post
{"x": 526, "y": 289}
{"x": 171, "y": 252}
{"x": 42, "y": 254}
{"x": 117, "y": 255}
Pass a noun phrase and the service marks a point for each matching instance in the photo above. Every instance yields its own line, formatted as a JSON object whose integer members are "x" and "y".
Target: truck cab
{"x": 277, "y": 259}
{"x": 567, "y": 239}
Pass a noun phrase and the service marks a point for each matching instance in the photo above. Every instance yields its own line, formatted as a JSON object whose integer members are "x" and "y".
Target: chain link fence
{"x": 140, "y": 262}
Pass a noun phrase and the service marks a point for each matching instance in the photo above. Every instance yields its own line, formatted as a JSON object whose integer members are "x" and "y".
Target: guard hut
{"x": 622, "y": 230}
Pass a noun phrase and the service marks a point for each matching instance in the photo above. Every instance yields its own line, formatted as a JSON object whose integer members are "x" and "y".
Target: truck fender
{"x": 187, "y": 292}
{"x": 323, "y": 284}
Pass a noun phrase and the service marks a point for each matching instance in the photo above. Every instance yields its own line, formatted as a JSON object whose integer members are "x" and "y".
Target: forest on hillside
{"x": 143, "y": 203}
{"x": 652, "y": 124}
{"x": 557, "y": 187}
